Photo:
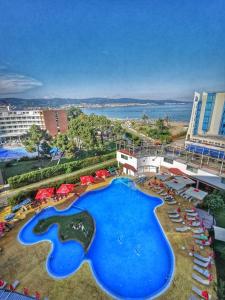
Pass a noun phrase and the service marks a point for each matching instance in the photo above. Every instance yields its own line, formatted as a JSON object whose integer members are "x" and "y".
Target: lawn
{"x": 79, "y": 227}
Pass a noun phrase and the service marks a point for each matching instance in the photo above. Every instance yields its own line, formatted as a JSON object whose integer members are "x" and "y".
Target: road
{"x": 5, "y": 195}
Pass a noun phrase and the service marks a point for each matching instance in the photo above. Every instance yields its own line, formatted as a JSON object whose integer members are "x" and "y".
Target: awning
{"x": 102, "y": 173}
{"x": 129, "y": 167}
{"x": 196, "y": 193}
{"x": 45, "y": 193}
{"x": 175, "y": 185}
{"x": 163, "y": 176}
{"x": 87, "y": 180}
{"x": 176, "y": 171}
{"x": 65, "y": 189}
{"x": 184, "y": 179}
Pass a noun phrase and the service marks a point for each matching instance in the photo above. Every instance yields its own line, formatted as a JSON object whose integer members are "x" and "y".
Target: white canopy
{"x": 184, "y": 179}
{"x": 163, "y": 176}
{"x": 196, "y": 193}
{"x": 175, "y": 185}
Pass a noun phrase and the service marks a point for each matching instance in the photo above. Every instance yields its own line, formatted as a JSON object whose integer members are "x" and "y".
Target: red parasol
{"x": 65, "y": 189}
{"x": 45, "y": 193}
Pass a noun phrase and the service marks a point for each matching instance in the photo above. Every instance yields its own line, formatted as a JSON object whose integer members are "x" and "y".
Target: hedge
{"x": 66, "y": 168}
{"x": 30, "y": 193}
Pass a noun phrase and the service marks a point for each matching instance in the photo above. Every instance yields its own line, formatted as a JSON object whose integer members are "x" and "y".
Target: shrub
{"x": 30, "y": 193}
{"x": 66, "y": 168}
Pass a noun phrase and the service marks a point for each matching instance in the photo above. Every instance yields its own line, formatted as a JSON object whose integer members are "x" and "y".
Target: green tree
{"x": 33, "y": 138}
{"x": 214, "y": 202}
{"x": 74, "y": 112}
{"x": 45, "y": 148}
{"x": 65, "y": 144}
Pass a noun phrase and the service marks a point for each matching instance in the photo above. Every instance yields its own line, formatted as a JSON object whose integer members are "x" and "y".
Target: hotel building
{"x": 16, "y": 123}
{"x": 207, "y": 123}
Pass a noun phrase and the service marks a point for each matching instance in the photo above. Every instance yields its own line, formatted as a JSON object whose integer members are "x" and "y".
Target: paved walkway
{"x": 7, "y": 194}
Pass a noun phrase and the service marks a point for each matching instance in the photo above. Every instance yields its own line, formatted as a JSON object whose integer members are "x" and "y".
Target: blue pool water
{"x": 14, "y": 153}
{"x": 130, "y": 256}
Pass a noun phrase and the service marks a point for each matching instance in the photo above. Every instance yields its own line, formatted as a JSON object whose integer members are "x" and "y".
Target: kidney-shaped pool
{"x": 130, "y": 255}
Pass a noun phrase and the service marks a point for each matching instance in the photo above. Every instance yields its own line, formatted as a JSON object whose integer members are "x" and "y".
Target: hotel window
{"x": 168, "y": 160}
{"x": 124, "y": 156}
{"x": 208, "y": 111}
{"x": 192, "y": 169}
{"x": 222, "y": 123}
{"x": 197, "y": 117}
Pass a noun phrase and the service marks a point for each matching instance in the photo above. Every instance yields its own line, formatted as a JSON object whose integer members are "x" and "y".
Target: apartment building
{"x": 207, "y": 123}
{"x": 15, "y": 123}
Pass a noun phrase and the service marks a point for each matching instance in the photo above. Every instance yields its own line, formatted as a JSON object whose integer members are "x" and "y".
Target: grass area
{"x": 79, "y": 227}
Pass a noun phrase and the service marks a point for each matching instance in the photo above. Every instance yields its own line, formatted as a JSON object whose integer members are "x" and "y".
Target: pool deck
{"x": 26, "y": 264}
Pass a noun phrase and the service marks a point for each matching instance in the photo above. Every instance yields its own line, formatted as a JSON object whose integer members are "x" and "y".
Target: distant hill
{"x": 62, "y": 102}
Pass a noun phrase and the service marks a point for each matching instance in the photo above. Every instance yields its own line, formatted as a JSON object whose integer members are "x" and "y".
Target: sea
{"x": 174, "y": 111}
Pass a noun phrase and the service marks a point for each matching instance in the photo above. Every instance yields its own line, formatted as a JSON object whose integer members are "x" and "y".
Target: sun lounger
{"x": 201, "y": 263}
{"x": 202, "y": 243}
{"x": 203, "y": 258}
{"x": 194, "y": 214}
{"x": 191, "y": 218}
{"x": 201, "y": 293}
{"x": 171, "y": 202}
{"x": 182, "y": 229}
{"x": 203, "y": 272}
{"x": 201, "y": 237}
{"x": 198, "y": 230}
{"x": 15, "y": 284}
{"x": 195, "y": 224}
{"x": 177, "y": 220}
{"x": 173, "y": 216}
{"x": 189, "y": 210}
{"x": 200, "y": 279}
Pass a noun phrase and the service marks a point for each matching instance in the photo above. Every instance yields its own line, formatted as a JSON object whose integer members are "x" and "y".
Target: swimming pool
{"x": 14, "y": 153}
{"x": 130, "y": 256}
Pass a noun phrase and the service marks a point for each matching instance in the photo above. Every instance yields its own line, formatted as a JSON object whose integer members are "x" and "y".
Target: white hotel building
{"x": 207, "y": 123}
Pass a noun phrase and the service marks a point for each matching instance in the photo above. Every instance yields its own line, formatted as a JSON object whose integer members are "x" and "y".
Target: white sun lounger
{"x": 195, "y": 224}
{"x": 15, "y": 284}
{"x": 194, "y": 214}
{"x": 200, "y": 279}
{"x": 198, "y": 230}
{"x": 173, "y": 216}
{"x": 171, "y": 202}
{"x": 200, "y": 242}
{"x": 182, "y": 229}
{"x": 201, "y": 271}
{"x": 193, "y": 297}
{"x": 172, "y": 211}
{"x": 177, "y": 220}
{"x": 199, "y": 292}
{"x": 201, "y": 263}
{"x": 203, "y": 258}
{"x": 189, "y": 210}
{"x": 191, "y": 218}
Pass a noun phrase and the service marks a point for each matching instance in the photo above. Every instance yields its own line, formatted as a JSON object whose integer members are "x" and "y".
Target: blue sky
{"x": 155, "y": 49}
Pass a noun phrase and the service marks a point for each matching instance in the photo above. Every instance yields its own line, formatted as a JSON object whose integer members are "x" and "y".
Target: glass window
{"x": 197, "y": 117}
{"x": 192, "y": 169}
{"x": 222, "y": 123}
{"x": 168, "y": 160}
{"x": 124, "y": 156}
{"x": 208, "y": 111}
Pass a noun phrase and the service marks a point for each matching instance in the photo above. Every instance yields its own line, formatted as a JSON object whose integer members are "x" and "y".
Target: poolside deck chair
{"x": 198, "y": 230}
{"x": 200, "y": 263}
{"x": 15, "y": 284}
{"x": 171, "y": 202}
{"x": 189, "y": 210}
{"x": 193, "y": 214}
{"x": 203, "y": 258}
{"x": 182, "y": 229}
{"x": 201, "y": 293}
{"x": 174, "y": 216}
{"x": 177, "y": 220}
{"x": 201, "y": 237}
{"x": 200, "y": 279}
{"x": 191, "y": 218}
{"x": 195, "y": 224}
{"x": 201, "y": 271}
{"x": 202, "y": 243}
